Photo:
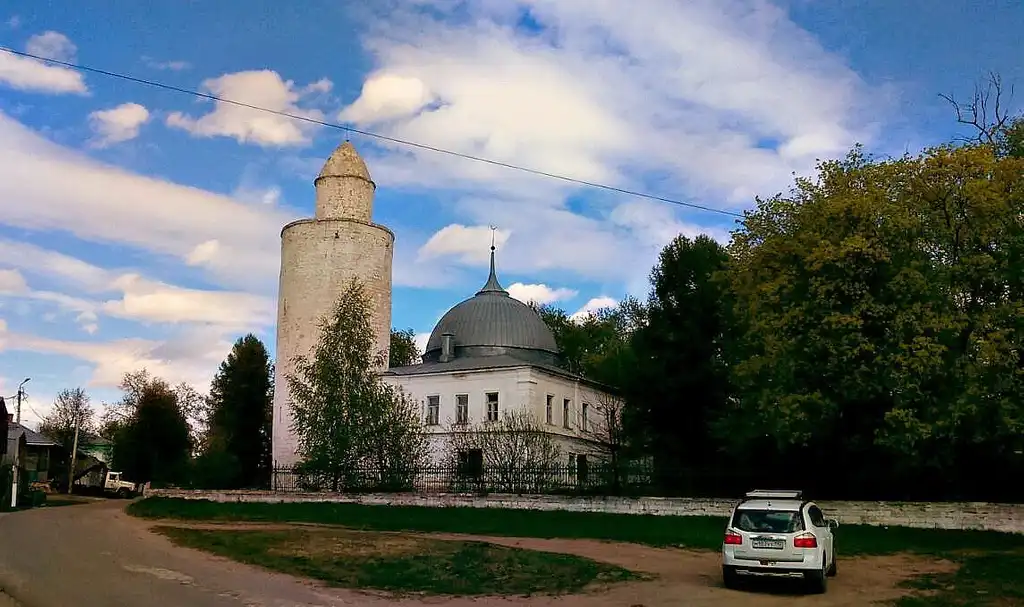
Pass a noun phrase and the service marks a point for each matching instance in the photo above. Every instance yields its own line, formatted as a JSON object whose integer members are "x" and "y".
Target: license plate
{"x": 769, "y": 544}
{"x": 767, "y": 563}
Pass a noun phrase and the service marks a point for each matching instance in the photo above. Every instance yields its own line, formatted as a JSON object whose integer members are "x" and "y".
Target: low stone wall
{"x": 937, "y": 515}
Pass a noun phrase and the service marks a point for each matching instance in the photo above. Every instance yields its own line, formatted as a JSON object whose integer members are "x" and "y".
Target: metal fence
{"x": 593, "y": 479}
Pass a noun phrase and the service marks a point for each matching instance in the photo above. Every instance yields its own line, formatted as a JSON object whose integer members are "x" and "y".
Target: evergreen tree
{"x": 680, "y": 381}
{"x": 238, "y": 439}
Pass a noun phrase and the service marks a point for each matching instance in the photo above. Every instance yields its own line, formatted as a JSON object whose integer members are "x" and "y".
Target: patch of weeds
{"x": 403, "y": 565}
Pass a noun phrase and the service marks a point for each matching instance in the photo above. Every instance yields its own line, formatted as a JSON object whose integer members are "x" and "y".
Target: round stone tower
{"x": 319, "y": 257}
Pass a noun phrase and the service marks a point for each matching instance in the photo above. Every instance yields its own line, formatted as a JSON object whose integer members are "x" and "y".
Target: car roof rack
{"x": 779, "y": 494}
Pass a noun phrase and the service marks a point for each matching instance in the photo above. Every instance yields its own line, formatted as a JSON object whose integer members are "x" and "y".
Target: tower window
{"x": 433, "y": 409}
{"x": 567, "y": 412}
{"x": 492, "y": 406}
{"x": 461, "y": 408}
{"x": 583, "y": 417}
{"x": 549, "y": 409}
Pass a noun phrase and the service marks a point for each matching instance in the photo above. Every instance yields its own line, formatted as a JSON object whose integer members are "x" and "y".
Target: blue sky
{"x": 140, "y": 226}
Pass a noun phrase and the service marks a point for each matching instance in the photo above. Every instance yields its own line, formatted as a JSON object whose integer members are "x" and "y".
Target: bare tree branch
{"x": 976, "y": 113}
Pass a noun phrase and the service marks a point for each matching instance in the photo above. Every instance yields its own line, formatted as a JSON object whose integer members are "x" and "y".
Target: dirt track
{"x": 683, "y": 577}
{"x": 97, "y": 555}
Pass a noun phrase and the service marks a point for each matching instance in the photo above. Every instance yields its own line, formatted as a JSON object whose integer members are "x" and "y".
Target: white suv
{"x": 778, "y": 533}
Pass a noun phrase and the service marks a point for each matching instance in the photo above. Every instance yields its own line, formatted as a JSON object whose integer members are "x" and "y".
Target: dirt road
{"x": 96, "y": 555}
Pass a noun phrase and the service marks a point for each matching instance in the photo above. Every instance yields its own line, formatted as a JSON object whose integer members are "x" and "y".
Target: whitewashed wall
{"x": 522, "y": 388}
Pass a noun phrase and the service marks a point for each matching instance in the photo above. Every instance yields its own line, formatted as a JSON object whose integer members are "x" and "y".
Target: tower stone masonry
{"x": 319, "y": 257}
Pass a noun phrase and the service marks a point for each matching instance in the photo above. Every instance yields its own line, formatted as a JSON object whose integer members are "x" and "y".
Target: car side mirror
{"x": 833, "y": 524}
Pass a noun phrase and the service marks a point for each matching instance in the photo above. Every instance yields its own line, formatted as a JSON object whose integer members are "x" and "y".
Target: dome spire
{"x": 493, "y": 286}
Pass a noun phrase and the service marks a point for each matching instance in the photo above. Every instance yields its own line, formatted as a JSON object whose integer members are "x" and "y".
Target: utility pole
{"x": 74, "y": 452}
{"x": 21, "y": 394}
{"x": 15, "y": 460}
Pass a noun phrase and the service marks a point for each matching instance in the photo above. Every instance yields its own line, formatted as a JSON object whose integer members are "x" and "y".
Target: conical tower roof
{"x": 345, "y": 161}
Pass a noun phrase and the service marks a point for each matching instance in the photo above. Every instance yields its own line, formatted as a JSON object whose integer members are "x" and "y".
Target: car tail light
{"x": 733, "y": 539}
{"x": 805, "y": 540}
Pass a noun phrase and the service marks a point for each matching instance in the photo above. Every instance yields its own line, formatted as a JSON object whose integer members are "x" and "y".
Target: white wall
{"x": 521, "y": 388}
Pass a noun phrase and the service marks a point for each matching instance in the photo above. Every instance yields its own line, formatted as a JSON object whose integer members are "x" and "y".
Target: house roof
{"x": 32, "y": 438}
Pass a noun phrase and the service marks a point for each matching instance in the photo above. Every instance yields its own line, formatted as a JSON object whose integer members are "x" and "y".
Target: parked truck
{"x": 106, "y": 482}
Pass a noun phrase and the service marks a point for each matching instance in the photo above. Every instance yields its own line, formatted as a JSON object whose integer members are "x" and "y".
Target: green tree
{"x": 403, "y": 350}
{"x": 680, "y": 382}
{"x": 879, "y": 308}
{"x": 240, "y": 408}
{"x": 70, "y": 409}
{"x": 348, "y": 420}
{"x": 152, "y": 439}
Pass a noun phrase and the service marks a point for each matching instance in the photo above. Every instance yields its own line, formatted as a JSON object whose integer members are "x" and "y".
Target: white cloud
{"x": 189, "y": 356}
{"x": 421, "y": 340}
{"x": 14, "y": 22}
{"x": 592, "y": 306}
{"x": 139, "y": 298}
{"x": 11, "y": 281}
{"x": 52, "y": 45}
{"x": 118, "y": 124}
{"x": 27, "y": 74}
{"x": 203, "y": 253}
{"x": 269, "y": 196}
{"x": 470, "y": 243}
{"x": 705, "y": 101}
{"x": 262, "y": 88}
{"x": 44, "y": 186}
{"x": 538, "y": 293}
{"x": 385, "y": 97}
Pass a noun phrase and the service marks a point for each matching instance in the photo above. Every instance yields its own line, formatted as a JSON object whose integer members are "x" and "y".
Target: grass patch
{"x": 992, "y": 563}
{"x": 695, "y": 532}
{"x": 402, "y": 564}
{"x": 700, "y": 532}
{"x": 986, "y": 579}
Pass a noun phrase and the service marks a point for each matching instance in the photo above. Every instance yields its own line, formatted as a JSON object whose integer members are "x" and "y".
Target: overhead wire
{"x": 371, "y": 134}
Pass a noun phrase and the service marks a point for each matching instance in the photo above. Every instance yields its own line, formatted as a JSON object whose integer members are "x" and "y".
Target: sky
{"x": 140, "y": 227}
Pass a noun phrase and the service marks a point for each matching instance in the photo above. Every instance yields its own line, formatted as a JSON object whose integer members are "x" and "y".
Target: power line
{"x": 347, "y": 129}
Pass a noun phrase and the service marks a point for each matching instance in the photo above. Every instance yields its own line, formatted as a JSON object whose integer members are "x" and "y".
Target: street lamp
{"x": 21, "y": 393}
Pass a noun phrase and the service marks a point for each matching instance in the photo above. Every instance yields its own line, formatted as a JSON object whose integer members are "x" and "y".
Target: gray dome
{"x": 493, "y": 323}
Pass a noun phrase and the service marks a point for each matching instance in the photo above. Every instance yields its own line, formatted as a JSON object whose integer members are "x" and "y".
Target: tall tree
{"x": 880, "y": 306}
{"x": 152, "y": 439}
{"x": 348, "y": 421}
{"x": 403, "y": 350}
{"x": 239, "y": 426}
{"x": 681, "y": 382}
{"x": 71, "y": 410}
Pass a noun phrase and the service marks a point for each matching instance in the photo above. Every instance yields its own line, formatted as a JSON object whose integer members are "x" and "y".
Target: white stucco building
{"x": 492, "y": 354}
{"x": 489, "y": 355}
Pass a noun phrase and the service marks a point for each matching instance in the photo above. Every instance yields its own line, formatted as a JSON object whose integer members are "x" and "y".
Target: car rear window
{"x": 768, "y": 521}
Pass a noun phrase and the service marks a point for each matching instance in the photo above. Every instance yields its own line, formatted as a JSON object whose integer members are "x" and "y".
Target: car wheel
{"x": 122, "y": 493}
{"x": 817, "y": 582}
{"x": 832, "y": 566}
{"x": 730, "y": 578}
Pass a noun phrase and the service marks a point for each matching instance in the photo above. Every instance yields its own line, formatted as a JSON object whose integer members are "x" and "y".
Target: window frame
{"x": 567, "y": 413}
{"x": 433, "y": 410}
{"x": 497, "y": 406}
{"x": 549, "y": 409}
{"x": 462, "y": 408}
